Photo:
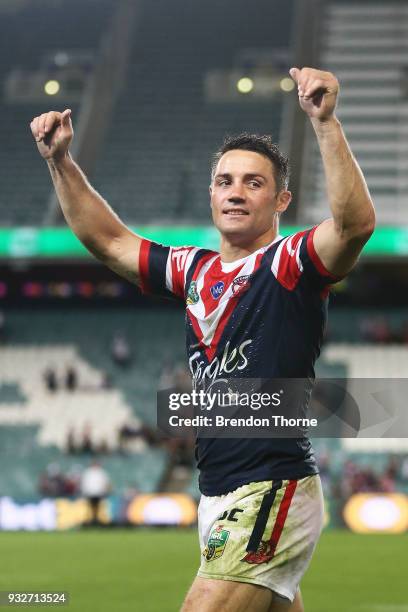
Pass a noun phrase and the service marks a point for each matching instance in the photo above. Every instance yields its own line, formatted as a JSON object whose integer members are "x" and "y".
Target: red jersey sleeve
{"x": 163, "y": 269}
{"x": 296, "y": 257}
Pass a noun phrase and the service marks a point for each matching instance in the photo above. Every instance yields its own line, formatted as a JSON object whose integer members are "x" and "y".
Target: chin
{"x": 234, "y": 225}
{"x": 228, "y": 229}
{"x": 237, "y": 235}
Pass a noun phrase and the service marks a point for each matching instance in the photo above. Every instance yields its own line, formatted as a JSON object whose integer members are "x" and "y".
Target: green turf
{"x": 150, "y": 570}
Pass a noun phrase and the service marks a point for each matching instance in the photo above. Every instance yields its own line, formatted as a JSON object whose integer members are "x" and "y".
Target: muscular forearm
{"x": 349, "y": 198}
{"x": 85, "y": 211}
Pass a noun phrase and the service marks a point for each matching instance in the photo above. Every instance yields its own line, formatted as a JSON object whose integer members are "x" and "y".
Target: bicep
{"x": 338, "y": 252}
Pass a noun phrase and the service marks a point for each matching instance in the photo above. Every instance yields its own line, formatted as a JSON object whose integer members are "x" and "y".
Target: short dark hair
{"x": 259, "y": 144}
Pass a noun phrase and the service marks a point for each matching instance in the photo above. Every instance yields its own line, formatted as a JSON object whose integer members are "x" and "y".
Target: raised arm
{"x": 338, "y": 241}
{"x": 86, "y": 212}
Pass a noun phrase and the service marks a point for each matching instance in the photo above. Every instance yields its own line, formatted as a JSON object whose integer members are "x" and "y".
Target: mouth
{"x": 235, "y": 212}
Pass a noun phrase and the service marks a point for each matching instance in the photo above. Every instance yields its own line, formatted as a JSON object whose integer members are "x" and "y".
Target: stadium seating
{"x": 23, "y": 460}
{"x": 155, "y": 162}
{"x": 365, "y": 45}
{"x": 164, "y": 130}
{"x": 34, "y": 423}
{"x": 37, "y": 29}
{"x": 87, "y": 336}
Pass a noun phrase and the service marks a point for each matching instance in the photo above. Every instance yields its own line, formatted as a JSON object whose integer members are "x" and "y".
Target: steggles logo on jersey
{"x": 232, "y": 359}
{"x": 192, "y": 295}
{"x": 240, "y": 284}
{"x": 217, "y": 290}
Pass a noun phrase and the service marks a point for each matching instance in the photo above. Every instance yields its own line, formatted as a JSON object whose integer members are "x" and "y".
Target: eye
{"x": 254, "y": 183}
{"x": 224, "y": 182}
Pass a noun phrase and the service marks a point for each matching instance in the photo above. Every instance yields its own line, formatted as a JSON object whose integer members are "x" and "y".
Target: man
{"x": 256, "y": 309}
{"x": 95, "y": 486}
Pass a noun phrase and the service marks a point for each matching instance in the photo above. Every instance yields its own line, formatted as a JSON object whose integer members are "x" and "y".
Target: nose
{"x": 236, "y": 200}
{"x": 237, "y": 195}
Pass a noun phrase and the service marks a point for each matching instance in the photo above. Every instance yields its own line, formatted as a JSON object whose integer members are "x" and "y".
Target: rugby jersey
{"x": 262, "y": 316}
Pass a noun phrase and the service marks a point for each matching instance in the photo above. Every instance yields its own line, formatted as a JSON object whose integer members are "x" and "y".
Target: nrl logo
{"x": 216, "y": 543}
{"x": 192, "y": 295}
{"x": 240, "y": 284}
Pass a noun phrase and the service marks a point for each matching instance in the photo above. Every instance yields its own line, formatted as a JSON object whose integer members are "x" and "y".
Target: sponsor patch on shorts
{"x": 216, "y": 543}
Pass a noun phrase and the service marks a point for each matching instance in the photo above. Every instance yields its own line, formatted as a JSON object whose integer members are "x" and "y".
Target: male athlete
{"x": 254, "y": 310}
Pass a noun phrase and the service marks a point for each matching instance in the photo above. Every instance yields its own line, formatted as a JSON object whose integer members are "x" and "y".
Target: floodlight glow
{"x": 287, "y": 84}
{"x": 245, "y": 85}
{"x": 377, "y": 512}
{"x": 51, "y": 88}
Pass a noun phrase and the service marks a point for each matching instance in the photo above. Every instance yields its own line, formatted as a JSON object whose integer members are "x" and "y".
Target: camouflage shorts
{"x": 262, "y": 533}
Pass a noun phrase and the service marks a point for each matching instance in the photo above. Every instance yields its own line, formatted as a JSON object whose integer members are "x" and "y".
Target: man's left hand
{"x": 318, "y": 92}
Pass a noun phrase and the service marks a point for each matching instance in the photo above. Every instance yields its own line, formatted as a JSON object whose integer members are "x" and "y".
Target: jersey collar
{"x": 228, "y": 266}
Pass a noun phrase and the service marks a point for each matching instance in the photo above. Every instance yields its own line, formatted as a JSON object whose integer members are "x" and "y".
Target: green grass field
{"x": 150, "y": 570}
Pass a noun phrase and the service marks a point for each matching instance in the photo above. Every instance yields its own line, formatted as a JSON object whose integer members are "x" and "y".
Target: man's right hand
{"x": 86, "y": 212}
{"x": 53, "y": 133}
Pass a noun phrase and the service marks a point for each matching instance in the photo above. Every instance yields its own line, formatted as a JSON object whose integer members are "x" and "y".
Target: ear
{"x": 283, "y": 200}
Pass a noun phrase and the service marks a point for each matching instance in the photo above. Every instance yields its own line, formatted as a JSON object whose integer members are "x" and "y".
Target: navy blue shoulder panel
{"x": 312, "y": 266}
{"x": 158, "y": 256}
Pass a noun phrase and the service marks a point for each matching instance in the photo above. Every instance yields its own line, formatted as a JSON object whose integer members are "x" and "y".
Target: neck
{"x": 237, "y": 247}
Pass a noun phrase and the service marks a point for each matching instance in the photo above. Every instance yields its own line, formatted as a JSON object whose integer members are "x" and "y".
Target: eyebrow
{"x": 249, "y": 175}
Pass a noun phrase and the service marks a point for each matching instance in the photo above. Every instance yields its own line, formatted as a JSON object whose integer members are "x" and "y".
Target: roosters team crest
{"x": 240, "y": 284}
{"x": 264, "y": 554}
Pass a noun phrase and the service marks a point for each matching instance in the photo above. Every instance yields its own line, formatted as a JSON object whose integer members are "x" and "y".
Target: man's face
{"x": 244, "y": 200}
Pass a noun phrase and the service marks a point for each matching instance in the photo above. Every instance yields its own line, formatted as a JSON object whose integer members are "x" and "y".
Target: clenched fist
{"x": 53, "y": 133}
{"x": 317, "y": 90}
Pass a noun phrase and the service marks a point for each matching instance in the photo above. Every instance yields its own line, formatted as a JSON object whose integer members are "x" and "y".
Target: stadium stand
{"x": 365, "y": 45}
{"x": 23, "y": 460}
{"x": 165, "y": 128}
{"x": 35, "y": 423}
{"x": 155, "y": 163}
{"x": 38, "y": 31}
{"x": 155, "y": 337}
{"x": 154, "y": 168}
